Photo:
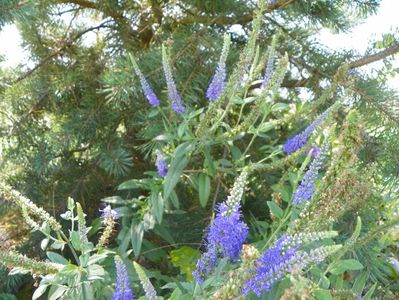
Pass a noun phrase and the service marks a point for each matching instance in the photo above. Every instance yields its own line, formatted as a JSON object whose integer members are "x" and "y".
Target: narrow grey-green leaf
{"x": 204, "y": 188}
{"x": 157, "y": 205}
{"x": 136, "y": 235}
{"x": 173, "y": 175}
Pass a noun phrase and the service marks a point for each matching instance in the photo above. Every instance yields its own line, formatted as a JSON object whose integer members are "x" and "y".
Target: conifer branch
{"x": 64, "y": 45}
{"x": 223, "y": 20}
{"x": 374, "y": 57}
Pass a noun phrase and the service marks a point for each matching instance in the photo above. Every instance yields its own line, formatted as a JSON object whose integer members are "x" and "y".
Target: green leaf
{"x": 322, "y": 294}
{"x": 115, "y": 199}
{"x": 144, "y": 183}
{"x": 235, "y": 152}
{"x": 370, "y": 292}
{"x": 185, "y": 258}
{"x": 176, "y": 294}
{"x": 125, "y": 239}
{"x": 181, "y": 129}
{"x": 265, "y": 127}
{"x": 39, "y": 291}
{"x": 157, "y": 205}
{"x": 195, "y": 113}
{"x": 280, "y": 107}
{"x": 325, "y": 282}
{"x": 173, "y": 175}
{"x": 209, "y": 164}
{"x": 56, "y": 258}
{"x": 360, "y": 282}
{"x": 275, "y": 209}
{"x": 136, "y": 236}
{"x": 70, "y": 203}
{"x": 358, "y": 228}
{"x": 95, "y": 272}
{"x": 204, "y": 188}
{"x": 56, "y": 292}
{"x": 44, "y": 244}
{"x": 87, "y": 291}
{"x": 341, "y": 266}
{"x": 96, "y": 258}
{"x": 84, "y": 259}
{"x": 58, "y": 244}
{"x": 174, "y": 199}
{"x": 75, "y": 240}
{"x": 164, "y": 233}
{"x": 183, "y": 149}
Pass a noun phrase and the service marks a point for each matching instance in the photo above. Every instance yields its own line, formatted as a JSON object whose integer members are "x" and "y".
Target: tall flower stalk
{"x": 297, "y": 142}
{"x": 28, "y": 207}
{"x": 175, "y": 98}
{"x": 227, "y": 233}
{"x": 218, "y": 82}
{"x": 284, "y": 257}
{"x": 12, "y": 259}
{"x": 149, "y": 289}
{"x": 305, "y": 189}
{"x": 267, "y": 77}
{"x": 122, "y": 289}
{"x": 147, "y": 90}
{"x": 108, "y": 218}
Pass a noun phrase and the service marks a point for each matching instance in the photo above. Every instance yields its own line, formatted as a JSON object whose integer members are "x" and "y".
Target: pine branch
{"x": 222, "y": 20}
{"x": 14, "y": 7}
{"x": 69, "y": 153}
{"x": 374, "y": 57}
{"x": 64, "y": 45}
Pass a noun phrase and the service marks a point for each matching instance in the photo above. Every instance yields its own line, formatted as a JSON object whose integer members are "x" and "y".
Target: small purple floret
{"x": 162, "y": 166}
{"x": 108, "y": 213}
{"x": 315, "y": 151}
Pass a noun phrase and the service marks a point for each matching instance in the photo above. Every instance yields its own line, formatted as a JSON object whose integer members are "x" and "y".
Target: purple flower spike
{"x": 269, "y": 69}
{"x": 122, "y": 289}
{"x": 162, "y": 166}
{"x": 300, "y": 140}
{"x": 224, "y": 239}
{"x": 218, "y": 81}
{"x": 177, "y": 103}
{"x": 305, "y": 189}
{"x": 227, "y": 233}
{"x": 148, "y": 92}
{"x": 271, "y": 266}
{"x": 285, "y": 256}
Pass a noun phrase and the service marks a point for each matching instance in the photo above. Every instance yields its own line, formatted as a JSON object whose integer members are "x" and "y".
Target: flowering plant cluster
{"x": 227, "y": 173}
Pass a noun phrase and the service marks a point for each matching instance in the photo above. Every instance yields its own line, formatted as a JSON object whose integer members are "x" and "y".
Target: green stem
{"x": 164, "y": 116}
{"x": 282, "y": 223}
{"x": 61, "y": 235}
{"x": 270, "y": 156}
{"x": 255, "y": 135}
